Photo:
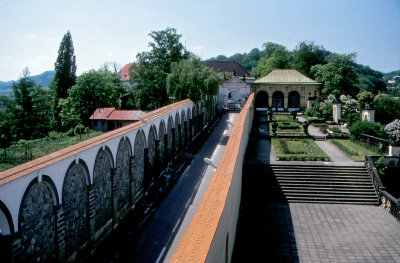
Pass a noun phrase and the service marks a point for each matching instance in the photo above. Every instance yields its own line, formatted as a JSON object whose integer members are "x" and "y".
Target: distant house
{"x": 233, "y": 68}
{"x": 233, "y": 93}
{"x": 106, "y": 119}
{"x": 124, "y": 74}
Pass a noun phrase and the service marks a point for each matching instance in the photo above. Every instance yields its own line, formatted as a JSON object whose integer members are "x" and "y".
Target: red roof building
{"x": 124, "y": 73}
{"x": 106, "y": 119}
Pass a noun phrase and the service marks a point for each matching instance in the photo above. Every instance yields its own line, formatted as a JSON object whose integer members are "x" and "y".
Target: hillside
{"x": 390, "y": 75}
{"x": 43, "y": 79}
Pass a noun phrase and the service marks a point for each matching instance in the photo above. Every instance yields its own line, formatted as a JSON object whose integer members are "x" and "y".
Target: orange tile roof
{"x": 26, "y": 168}
{"x": 124, "y": 72}
{"x": 197, "y": 240}
{"x": 116, "y": 115}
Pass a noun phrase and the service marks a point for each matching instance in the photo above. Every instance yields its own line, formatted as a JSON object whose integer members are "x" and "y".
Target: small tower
{"x": 368, "y": 113}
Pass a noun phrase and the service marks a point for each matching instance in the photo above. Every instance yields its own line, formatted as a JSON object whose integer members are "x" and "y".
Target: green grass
{"x": 355, "y": 150}
{"x": 276, "y": 117}
{"x": 298, "y": 150}
{"x": 17, "y": 155}
{"x": 287, "y": 127}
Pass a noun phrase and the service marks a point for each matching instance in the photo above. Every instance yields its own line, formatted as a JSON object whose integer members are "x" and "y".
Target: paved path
{"x": 269, "y": 231}
{"x": 174, "y": 214}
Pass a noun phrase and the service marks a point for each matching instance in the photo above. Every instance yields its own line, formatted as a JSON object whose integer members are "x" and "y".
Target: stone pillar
{"x": 270, "y": 99}
{"x": 337, "y": 110}
{"x": 172, "y": 153}
{"x": 114, "y": 197}
{"x": 92, "y": 213}
{"x": 165, "y": 156}
{"x": 180, "y": 138}
{"x": 310, "y": 103}
{"x": 156, "y": 166}
{"x": 185, "y": 139}
{"x": 60, "y": 232}
{"x": 285, "y": 101}
{"x": 394, "y": 150}
{"x": 147, "y": 178}
{"x": 368, "y": 115}
{"x": 190, "y": 130}
{"x": 132, "y": 179}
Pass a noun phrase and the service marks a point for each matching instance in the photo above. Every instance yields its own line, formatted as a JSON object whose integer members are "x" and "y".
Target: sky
{"x": 115, "y": 31}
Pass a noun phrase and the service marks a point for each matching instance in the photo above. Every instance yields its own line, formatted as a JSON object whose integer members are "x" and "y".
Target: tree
{"x": 279, "y": 59}
{"x": 387, "y": 108}
{"x": 338, "y": 76}
{"x": 307, "y": 54}
{"x": 65, "y": 76}
{"x": 28, "y": 110}
{"x": 152, "y": 67}
{"x": 365, "y": 97}
{"x": 93, "y": 89}
{"x": 191, "y": 79}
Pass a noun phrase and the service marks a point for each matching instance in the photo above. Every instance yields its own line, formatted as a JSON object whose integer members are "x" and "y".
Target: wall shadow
{"x": 265, "y": 230}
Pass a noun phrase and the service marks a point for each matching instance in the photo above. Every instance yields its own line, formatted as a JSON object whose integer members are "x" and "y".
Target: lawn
{"x": 288, "y": 127}
{"x": 355, "y": 150}
{"x": 18, "y": 154}
{"x": 298, "y": 150}
{"x": 277, "y": 117}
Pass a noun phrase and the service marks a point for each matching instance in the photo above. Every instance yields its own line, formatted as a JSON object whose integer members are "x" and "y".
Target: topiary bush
{"x": 366, "y": 127}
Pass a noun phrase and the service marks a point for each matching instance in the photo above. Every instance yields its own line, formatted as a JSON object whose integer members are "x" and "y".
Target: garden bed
{"x": 355, "y": 150}
{"x": 288, "y": 127}
{"x": 298, "y": 150}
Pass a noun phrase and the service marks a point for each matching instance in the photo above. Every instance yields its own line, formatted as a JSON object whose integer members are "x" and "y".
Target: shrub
{"x": 393, "y": 130}
{"x": 313, "y": 111}
{"x": 367, "y": 127}
{"x": 316, "y": 120}
{"x": 352, "y": 118}
{"x": 387, "y": 108}
{"x": 79, "y": 129}
{"x": 70, "y": 132}
{"x": 54, "y": 135}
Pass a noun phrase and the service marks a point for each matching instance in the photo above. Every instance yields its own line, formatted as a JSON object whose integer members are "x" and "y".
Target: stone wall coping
{"x": 196, "y": 242}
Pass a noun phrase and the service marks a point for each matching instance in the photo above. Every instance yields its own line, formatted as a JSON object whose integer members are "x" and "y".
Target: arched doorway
{"x": 261, "y": 100}
{"x": 277, "y": 101}
{"x": 294, "y": 101}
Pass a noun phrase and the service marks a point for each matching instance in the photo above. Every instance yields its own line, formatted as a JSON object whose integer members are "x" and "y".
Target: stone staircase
{"x": 320, "y": 184}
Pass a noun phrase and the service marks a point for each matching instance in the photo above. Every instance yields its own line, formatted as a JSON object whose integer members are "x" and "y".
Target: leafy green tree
{"x": 152, "y": 67}
{"x": 338, "y": 76}
{"x": 370, "y": 80}
{"x": 93, "y": 89}
{"x": 307, "y": 54}
{"x": 5, "y": 122}
{"x": 365, "y": 97}
{"x": 28, "y": 110}
{"x": 65, "y": 76}
{"x": 191, "y": 79}
{"x": 387, "y": 108}
{"x": 279, "y": 59}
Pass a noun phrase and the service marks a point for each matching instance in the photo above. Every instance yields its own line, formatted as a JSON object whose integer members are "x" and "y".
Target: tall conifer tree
{"x": 65, "y": 76}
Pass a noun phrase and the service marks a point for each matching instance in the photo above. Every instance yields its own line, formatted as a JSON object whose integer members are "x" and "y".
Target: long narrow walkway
{"x": 272, "y": 230}
{"x": 175, "y": 212}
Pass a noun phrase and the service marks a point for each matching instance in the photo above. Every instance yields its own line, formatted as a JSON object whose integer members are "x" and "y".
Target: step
{"x": 333, "y": 185}
{"x": 335, "y": 202}
{"x": 315, "y": 175}
{"x": 342, "y": 189}
{"x": 305, "y": 166}
{"x": 321, "y": 180}
{"x": 329, "y": 195}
